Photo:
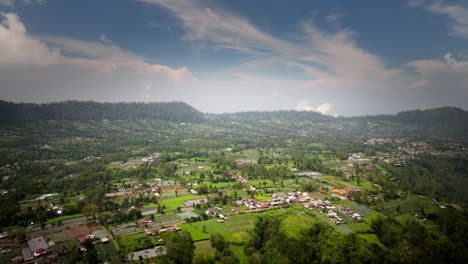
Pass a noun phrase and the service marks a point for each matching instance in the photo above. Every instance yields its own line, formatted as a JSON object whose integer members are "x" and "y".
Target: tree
{"x": 90, "y": 210}
{"x": 180, "y": 248}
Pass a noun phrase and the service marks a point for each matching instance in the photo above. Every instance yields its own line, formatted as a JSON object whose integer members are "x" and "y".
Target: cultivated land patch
{"x": 166, "y": 219}
{"x": 204, "y": 247}
{"x": 401, "y": 206}
{"x": 174, "y": 202}
{"x": 125, "y": 229}
{"x": 83, "y": 230}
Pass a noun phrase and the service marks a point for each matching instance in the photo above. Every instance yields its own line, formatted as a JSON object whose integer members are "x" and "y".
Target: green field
{"x": 234, "y": 229}
{"x": 107, "y": 251}
{"x": 137, "y": 241}
{"x": 196, "y": 233}
{"x": 360, "y": 227}
{"x": 240, "y": 254}
{"x": 204, "y": 247}
{"x": 371, "y": 238}
{"x": 7, "y": 258}
{"x": 174, "y": 202}
{"x": 409, "y": 204}
{"x": 61, "y": 218}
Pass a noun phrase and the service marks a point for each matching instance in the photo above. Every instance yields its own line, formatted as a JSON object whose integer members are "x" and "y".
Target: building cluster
{"x": 39, "y": 251}
{"x": 241, "y": 179}
{"x": 354, "y": 216}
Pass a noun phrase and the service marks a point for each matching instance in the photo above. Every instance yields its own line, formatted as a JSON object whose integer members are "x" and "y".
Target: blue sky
{"x": 335, "y": 57}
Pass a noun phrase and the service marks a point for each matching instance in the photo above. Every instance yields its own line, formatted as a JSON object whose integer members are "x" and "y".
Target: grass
{"x": 107, "y": 251}
{"x": 361, "y": 209}
{"x": 64, "y": 217}
{"x": 204, "y": 247}
{"x": 407, "y": 205}
{"x": 371, "y": 217}
{"x": 197, "y": 234}
{"x": 360, "y": 227}
{"x": 172, "y": 203}
{"x": 294, "y": 226}
{"x": 137, "y": 241}
{"x": 71, "y": 243}
{"x": 7, "y": 258}
{"x": 240, "y": 254}
{"x": 234, "y": 229}
{"x": 372, "y": 239}
{"x": 340, "y": 228}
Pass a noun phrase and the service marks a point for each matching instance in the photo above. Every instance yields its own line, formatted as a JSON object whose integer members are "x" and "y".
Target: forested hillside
{"x": 83, "y": 111}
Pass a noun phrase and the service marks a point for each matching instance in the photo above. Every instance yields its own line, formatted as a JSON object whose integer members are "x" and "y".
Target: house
{"x": 37, "y": 243}
{"x": 332, "y": 214}
{"x": 82, "y": 239}
{"x": 356, "y": 217}
{"x": 27, "y": 255}
{"x": 40, "y": 252}
{"x": 345, "y": 209}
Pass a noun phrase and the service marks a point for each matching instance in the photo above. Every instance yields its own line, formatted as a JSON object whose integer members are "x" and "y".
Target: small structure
{"x": 37, "y": 243}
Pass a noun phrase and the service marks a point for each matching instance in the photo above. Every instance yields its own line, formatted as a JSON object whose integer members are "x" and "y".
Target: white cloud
{"x": 436, "y": 71}
{"x": 18, "y": 48}
{"x": 104, "y": 38}
{"x": 11, "y": 3}
{"x": 457, "y": 13}
{"x": 33, "y": 69}
{"x": 220, "y": 27}
{"x": 324, "y": 108}
{"x": 333, "y": 61}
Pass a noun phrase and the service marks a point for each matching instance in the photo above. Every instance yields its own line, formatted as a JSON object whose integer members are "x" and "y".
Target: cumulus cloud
{"x": 104, "y": 38}
{"x": 324, "y": 108}
{"x": 18, "y": 48}
{"x": 436, "y": 74}
{"x": 333, "y": 61}
{"x": 458, "y": 15}
{"x": 33, "y": 69}
{"x": 11, "y": 3}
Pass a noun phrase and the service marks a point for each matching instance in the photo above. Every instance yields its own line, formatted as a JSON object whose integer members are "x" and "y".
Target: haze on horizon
{"x": 338, "y": 58}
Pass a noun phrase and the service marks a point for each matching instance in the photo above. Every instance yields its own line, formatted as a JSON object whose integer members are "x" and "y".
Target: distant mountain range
{"x": 440, "y": 122}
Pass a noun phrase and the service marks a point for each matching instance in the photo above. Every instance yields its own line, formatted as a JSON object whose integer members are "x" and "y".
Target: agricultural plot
{"x": 401, "y": 206}
{"x": 360, "y": 227}
{"x": 372, "y": 238}
{"x": 107, "y": 251}
{"x": 172, "y": 203}
{"x": 187, "y": 215}
{"x": 125, "y": 229}
{"x": 204, "y": 247}
{"x": 234, "y": 229}
{"x": 361, "y": 209}
{"x": 197, "y": 234}
{"x": 166, "y": 219}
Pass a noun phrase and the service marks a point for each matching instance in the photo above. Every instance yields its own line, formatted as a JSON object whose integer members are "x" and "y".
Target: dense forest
{"x": 76, "y": 110}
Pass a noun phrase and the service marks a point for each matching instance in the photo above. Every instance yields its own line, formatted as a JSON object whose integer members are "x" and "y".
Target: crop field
{"x": 204, "y": 247}
{"x": 125, "y": 229}
{"x": 197, "y": 234}
{"x": 234, "y": 229}
{"x": 371, "y": 238}
{"x": 401, "y": 206}
{"x": 360, "y": 227}
{"x": 361, "y": 209}
{"x": 107, "y": 251}
{"x": 137, "y": 241}
{"x": 173, "y": 203}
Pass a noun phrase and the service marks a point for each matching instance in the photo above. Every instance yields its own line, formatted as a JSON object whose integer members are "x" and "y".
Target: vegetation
{"x": 127, "y": 170}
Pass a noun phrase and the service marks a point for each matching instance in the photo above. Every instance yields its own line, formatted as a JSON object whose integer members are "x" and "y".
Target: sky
{"x": 343, "y": 58}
